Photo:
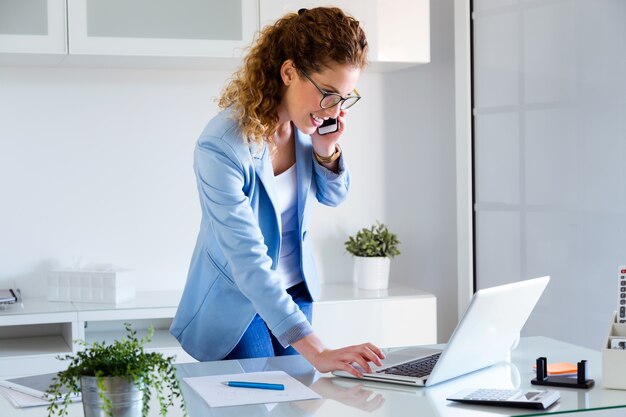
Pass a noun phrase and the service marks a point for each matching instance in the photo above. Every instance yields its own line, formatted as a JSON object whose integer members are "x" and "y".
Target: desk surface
{"x": 348, "y": 397}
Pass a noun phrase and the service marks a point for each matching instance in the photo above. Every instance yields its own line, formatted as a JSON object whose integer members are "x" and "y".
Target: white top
{"x": 289, "y": 261}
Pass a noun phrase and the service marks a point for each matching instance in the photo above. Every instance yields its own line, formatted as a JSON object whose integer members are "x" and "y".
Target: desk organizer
{"x": 614, "y": 359}
{"x": 91, "y": 286}
{"x": 580, "y": 381}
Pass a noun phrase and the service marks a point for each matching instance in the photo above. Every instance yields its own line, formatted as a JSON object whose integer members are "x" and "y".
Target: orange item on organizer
{"x": 561, "y": 368}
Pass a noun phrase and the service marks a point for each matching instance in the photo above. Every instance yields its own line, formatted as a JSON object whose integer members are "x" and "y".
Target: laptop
{"x": 485, "y": 334}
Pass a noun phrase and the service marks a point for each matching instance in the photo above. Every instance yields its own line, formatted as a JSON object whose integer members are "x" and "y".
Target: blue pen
{"x": 259, "y": 385}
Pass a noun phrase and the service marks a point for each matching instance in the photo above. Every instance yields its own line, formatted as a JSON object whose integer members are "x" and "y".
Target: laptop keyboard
{"x": 418, "y": 368}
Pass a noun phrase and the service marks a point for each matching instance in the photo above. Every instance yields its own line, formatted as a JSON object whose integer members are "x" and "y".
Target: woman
{"x": 259, "y": 165}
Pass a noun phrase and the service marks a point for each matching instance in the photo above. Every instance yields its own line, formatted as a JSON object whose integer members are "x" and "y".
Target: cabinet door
{"x": 32, "y": 26}
{"x": 191, "y": 28}
{"x": 384, "y": 322}
{"x": 397, "y": 32}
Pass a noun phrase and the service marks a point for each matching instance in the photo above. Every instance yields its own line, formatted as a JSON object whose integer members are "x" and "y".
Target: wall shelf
{"x": 25, "y": 347}
{"x": 32, "y": 335}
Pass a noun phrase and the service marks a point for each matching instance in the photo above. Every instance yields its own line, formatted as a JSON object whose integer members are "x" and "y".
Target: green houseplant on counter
{"x": 373, "y": 249}
{"x": 116, "y": 379}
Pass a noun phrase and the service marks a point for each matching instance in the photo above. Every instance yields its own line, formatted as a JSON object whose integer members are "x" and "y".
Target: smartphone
{"x": 329, "y": 126}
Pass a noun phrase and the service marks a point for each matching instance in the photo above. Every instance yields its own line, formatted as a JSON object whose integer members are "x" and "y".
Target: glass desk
{"x": 350, "y": 397}
{"x": 344, "y": 397}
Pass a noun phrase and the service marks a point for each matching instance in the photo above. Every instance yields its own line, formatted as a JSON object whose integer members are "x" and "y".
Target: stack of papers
{"x": 21, "y": 400}
{"x": 216, "y": 394}
{"x": 29, "y": 391}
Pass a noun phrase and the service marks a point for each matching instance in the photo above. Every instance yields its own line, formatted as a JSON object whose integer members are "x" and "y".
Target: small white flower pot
{"x": 371, "y": 273}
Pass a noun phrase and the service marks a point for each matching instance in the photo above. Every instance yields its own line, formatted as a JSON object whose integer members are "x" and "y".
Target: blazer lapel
{"x": 304, "y": 170}
{"x": 265, "y": 173}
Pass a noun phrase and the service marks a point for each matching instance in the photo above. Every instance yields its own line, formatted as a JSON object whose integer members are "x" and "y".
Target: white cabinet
{"x": 36, "y": 28}
{"x": 398, "y": 32}
{"x": 145, "y": 33}
{"x": 397, "y": 316}
{"x": 189, "y": 28}
{"x": 105, "y": 322}
{"x": 33, "y": 335}
{"x": 189, "y": 33}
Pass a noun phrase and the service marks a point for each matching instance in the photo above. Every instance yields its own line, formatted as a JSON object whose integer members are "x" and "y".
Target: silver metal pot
{"x": 126, "y": 397}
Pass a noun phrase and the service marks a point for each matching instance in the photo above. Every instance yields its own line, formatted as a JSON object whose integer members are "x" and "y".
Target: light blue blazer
{"x": 232, "y": 272}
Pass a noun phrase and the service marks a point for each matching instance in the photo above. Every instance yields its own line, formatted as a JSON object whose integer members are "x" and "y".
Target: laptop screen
{"x": 489, "y": 327}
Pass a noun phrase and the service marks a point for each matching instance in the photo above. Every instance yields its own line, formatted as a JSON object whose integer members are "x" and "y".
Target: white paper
{"x": 33, "y": 385}
{"x": 22, "y": 400}
{"x": 216, "y": 394}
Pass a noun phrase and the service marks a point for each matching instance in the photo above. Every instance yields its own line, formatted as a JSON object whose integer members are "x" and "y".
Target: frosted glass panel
{"x": 551, "y": 52}
{"x": 500, "y": 245}
{"x": 553, "y": 244}
{"x": 550, "y": 157}
{"x": 23, "y": 17}
{"x": 166, "y": 19}
{"x": 603, "y": 144}
{"x": 482, "y": 5}
{"x": 497, "y": 173}
{"x": 601, "y": 73}
{"x": 496, "y": 62}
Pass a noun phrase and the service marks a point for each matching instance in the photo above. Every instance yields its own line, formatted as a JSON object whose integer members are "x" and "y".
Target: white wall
{"x": 420, "y": 176}
{"x": 97, "y": 164}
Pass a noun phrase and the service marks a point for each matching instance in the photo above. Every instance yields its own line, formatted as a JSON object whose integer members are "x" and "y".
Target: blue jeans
{"x": 259, "y": 342}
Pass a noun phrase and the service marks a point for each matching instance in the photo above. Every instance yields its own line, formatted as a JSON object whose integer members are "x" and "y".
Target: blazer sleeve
{"x": 221, "y": 177}
{"x": 332, "y": 188}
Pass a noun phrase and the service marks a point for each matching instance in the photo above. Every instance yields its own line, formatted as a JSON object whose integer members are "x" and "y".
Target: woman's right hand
{"x": 327, "y": 360}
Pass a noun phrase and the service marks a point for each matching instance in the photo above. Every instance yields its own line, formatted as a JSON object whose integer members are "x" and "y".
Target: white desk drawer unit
{"x": 33, "y": 335}
{"x": 397, "y": 316}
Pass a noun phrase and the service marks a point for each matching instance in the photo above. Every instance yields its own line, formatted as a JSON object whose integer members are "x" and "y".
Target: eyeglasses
{"x": 332, "y": 99}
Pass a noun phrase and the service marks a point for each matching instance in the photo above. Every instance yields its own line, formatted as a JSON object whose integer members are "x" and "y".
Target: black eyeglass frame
{"x": 326, "y": 94}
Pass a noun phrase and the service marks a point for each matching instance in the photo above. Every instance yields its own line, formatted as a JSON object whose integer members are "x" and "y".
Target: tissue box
{"x": 614, "y": 360}
{"x": 114, "y": 286}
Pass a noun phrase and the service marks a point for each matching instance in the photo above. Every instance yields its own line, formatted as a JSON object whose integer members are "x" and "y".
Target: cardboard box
{"x": 614, "y": 360}
{"x": 114, "y": 286}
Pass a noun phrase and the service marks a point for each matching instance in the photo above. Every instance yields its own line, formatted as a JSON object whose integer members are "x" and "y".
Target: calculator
{"x": 538, "y": 399}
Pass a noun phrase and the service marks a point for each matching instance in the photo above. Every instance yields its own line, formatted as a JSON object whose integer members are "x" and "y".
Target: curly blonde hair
{"x": 312, "y": 39}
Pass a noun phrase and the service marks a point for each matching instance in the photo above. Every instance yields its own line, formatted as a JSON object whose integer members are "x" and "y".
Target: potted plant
{"x": 116, "y": 379}
{"x": 373, "y": 249}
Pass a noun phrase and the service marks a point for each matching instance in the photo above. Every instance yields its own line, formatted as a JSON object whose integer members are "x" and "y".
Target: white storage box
{"x": 114, "y": 286}
{"x": 614, "y": 359}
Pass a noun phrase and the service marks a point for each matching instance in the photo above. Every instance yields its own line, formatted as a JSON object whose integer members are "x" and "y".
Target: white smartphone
{"x": 329, "y": 126}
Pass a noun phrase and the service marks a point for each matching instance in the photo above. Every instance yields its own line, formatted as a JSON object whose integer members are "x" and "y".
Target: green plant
{"x": 124, "y": 358}
{"x": 375, "y": 241}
